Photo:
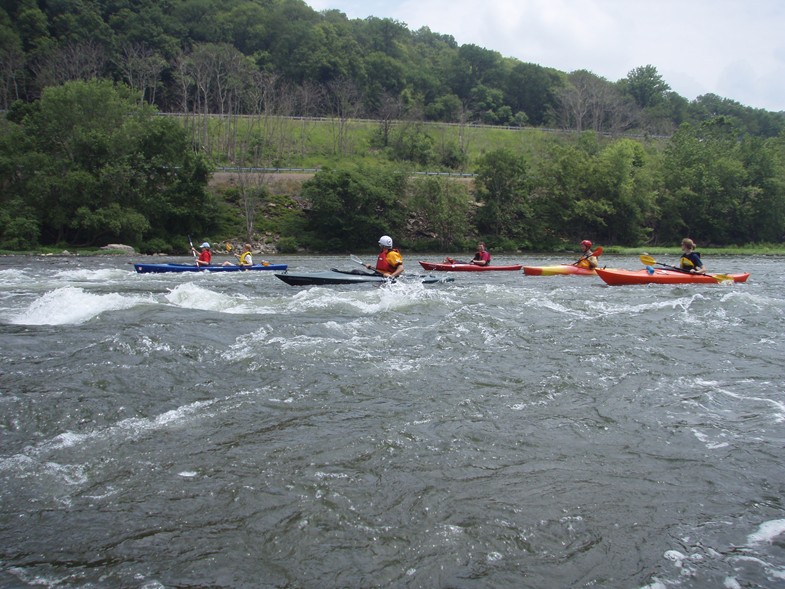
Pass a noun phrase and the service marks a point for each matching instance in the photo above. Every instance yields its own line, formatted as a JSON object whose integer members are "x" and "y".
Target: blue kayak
{"x": 159, "y": 268}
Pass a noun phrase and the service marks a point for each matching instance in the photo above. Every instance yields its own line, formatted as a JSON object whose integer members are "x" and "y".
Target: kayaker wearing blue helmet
{"x": 390, "y": 262}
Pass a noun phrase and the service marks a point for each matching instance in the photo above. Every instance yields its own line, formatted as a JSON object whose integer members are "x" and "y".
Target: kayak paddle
{"x": 357, "y": 260}
{"x": 595, "y": 253}
{"x": 193, "y": 251}
{"x": 649, "y": 261}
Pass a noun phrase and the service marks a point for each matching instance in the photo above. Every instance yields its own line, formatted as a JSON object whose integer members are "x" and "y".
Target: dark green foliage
{"x": 84, "y": 162}
{"x": 157, "y": 47}
{"x": 503, "y": 190}
{"x": 90, "y": 166}
{"x": 351, "y": 208}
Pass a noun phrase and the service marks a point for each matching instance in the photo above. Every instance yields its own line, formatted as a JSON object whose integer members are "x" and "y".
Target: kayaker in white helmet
{"x": 390, "y": 262}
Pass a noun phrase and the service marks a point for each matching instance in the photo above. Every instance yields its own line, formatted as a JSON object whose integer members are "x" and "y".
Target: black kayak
{"x": 334, "y": 276}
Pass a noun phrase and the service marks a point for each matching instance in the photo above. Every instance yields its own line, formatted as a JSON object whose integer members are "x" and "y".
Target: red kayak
{"x": 468, "y": 267}
{"x": 558, "y": 270}
{"x": 658, "y": 276}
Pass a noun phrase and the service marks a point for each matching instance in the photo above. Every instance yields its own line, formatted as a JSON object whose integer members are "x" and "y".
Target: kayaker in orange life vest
{"x": 588, "y": 259}
{"x": 389, "y": 263}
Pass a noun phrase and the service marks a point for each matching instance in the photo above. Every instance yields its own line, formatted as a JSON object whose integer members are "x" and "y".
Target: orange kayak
{"x": 658, "y": 276}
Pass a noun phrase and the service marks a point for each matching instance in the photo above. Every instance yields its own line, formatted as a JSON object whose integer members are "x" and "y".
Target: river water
{"x": 498, "y": 431}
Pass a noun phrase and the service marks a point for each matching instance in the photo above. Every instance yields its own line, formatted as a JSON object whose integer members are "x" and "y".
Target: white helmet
{"x": 385, "y": 241}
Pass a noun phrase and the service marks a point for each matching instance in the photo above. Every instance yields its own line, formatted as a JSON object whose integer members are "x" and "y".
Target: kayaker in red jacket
{"x": 481, "y": 258}
{"x": 390, "y": 262}
{"x": 205, "y": 256}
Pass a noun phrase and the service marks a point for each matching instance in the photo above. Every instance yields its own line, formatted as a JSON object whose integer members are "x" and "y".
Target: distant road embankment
{"x": 227, "y": 176}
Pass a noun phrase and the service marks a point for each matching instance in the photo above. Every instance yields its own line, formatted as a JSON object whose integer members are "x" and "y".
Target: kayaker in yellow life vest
{"x": 245, "y": 258}
{"x": 389, "y": 263}
{"x": 690, "y": 259}
{"x": 588, "y": 260}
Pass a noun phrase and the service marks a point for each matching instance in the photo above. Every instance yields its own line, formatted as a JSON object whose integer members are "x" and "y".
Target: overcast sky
{"x": 732, "y": 48}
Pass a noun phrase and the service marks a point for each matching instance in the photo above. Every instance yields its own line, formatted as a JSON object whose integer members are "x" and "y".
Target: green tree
{"x": 351, "y": 208}
{"x": 442, "y": 206}
{"x": 622, "y": 184}
{"x": 502, "y": 182}
{"x": 96, "y": 167}
{"x": 646, "y": 86}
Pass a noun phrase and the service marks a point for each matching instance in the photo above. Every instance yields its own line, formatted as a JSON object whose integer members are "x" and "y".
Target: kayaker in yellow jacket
{"x": 690, "y": 259}
{"x": 245, "y": 258}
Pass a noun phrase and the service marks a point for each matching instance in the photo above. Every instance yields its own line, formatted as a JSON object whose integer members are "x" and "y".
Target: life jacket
{"x": 478, "y": 257}
{"x": 246, "y": 259}
{"x": 382, "y": 265}
{"x": 690, "y": 261}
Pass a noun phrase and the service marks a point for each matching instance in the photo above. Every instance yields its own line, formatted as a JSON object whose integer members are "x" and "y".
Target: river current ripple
{"x": 498, "y": 431}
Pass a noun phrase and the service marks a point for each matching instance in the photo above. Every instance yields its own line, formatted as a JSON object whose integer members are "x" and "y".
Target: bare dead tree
{"x": 71, "y": 61}
{"x": 390, "y": 110}
{"x": 310, "y": 99}
{"x": 12, "y": 62}
{"x": 345, "y": 102}
{"x": 142, "y": 68}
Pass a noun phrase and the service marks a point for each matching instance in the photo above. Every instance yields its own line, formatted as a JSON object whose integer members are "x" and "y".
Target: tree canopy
{"x": 87, "y": 164}
{"x": 207, "y": 55}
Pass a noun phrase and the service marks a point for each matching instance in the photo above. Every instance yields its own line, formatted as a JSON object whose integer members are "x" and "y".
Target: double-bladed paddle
{"x": 649, "y": 261}
{"x": 587, "y": 255}
{"x": 357, "y": 260}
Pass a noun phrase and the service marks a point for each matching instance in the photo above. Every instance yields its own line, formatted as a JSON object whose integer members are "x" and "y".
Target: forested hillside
{"x": 244, "y": 56}
{"x": 86, "y": 158}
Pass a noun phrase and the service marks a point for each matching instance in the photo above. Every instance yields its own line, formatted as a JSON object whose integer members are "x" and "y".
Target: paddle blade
{"x": 356, "y": 260}
{"x": 597, "y": 252}
{"x": 647, "y": 260}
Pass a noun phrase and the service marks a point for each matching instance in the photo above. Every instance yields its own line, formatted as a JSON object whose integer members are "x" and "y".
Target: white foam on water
{"x": 766, "y": 532}
{"x": 192, "y": 296}
{"x": 14, "y": 277}
{"x": 368, "y": 300}
{"x": 83, "y": 275}
{"x": 72, "y": 306}
{"x": 612, "y": 308}
{"x": 778, "y": 415}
